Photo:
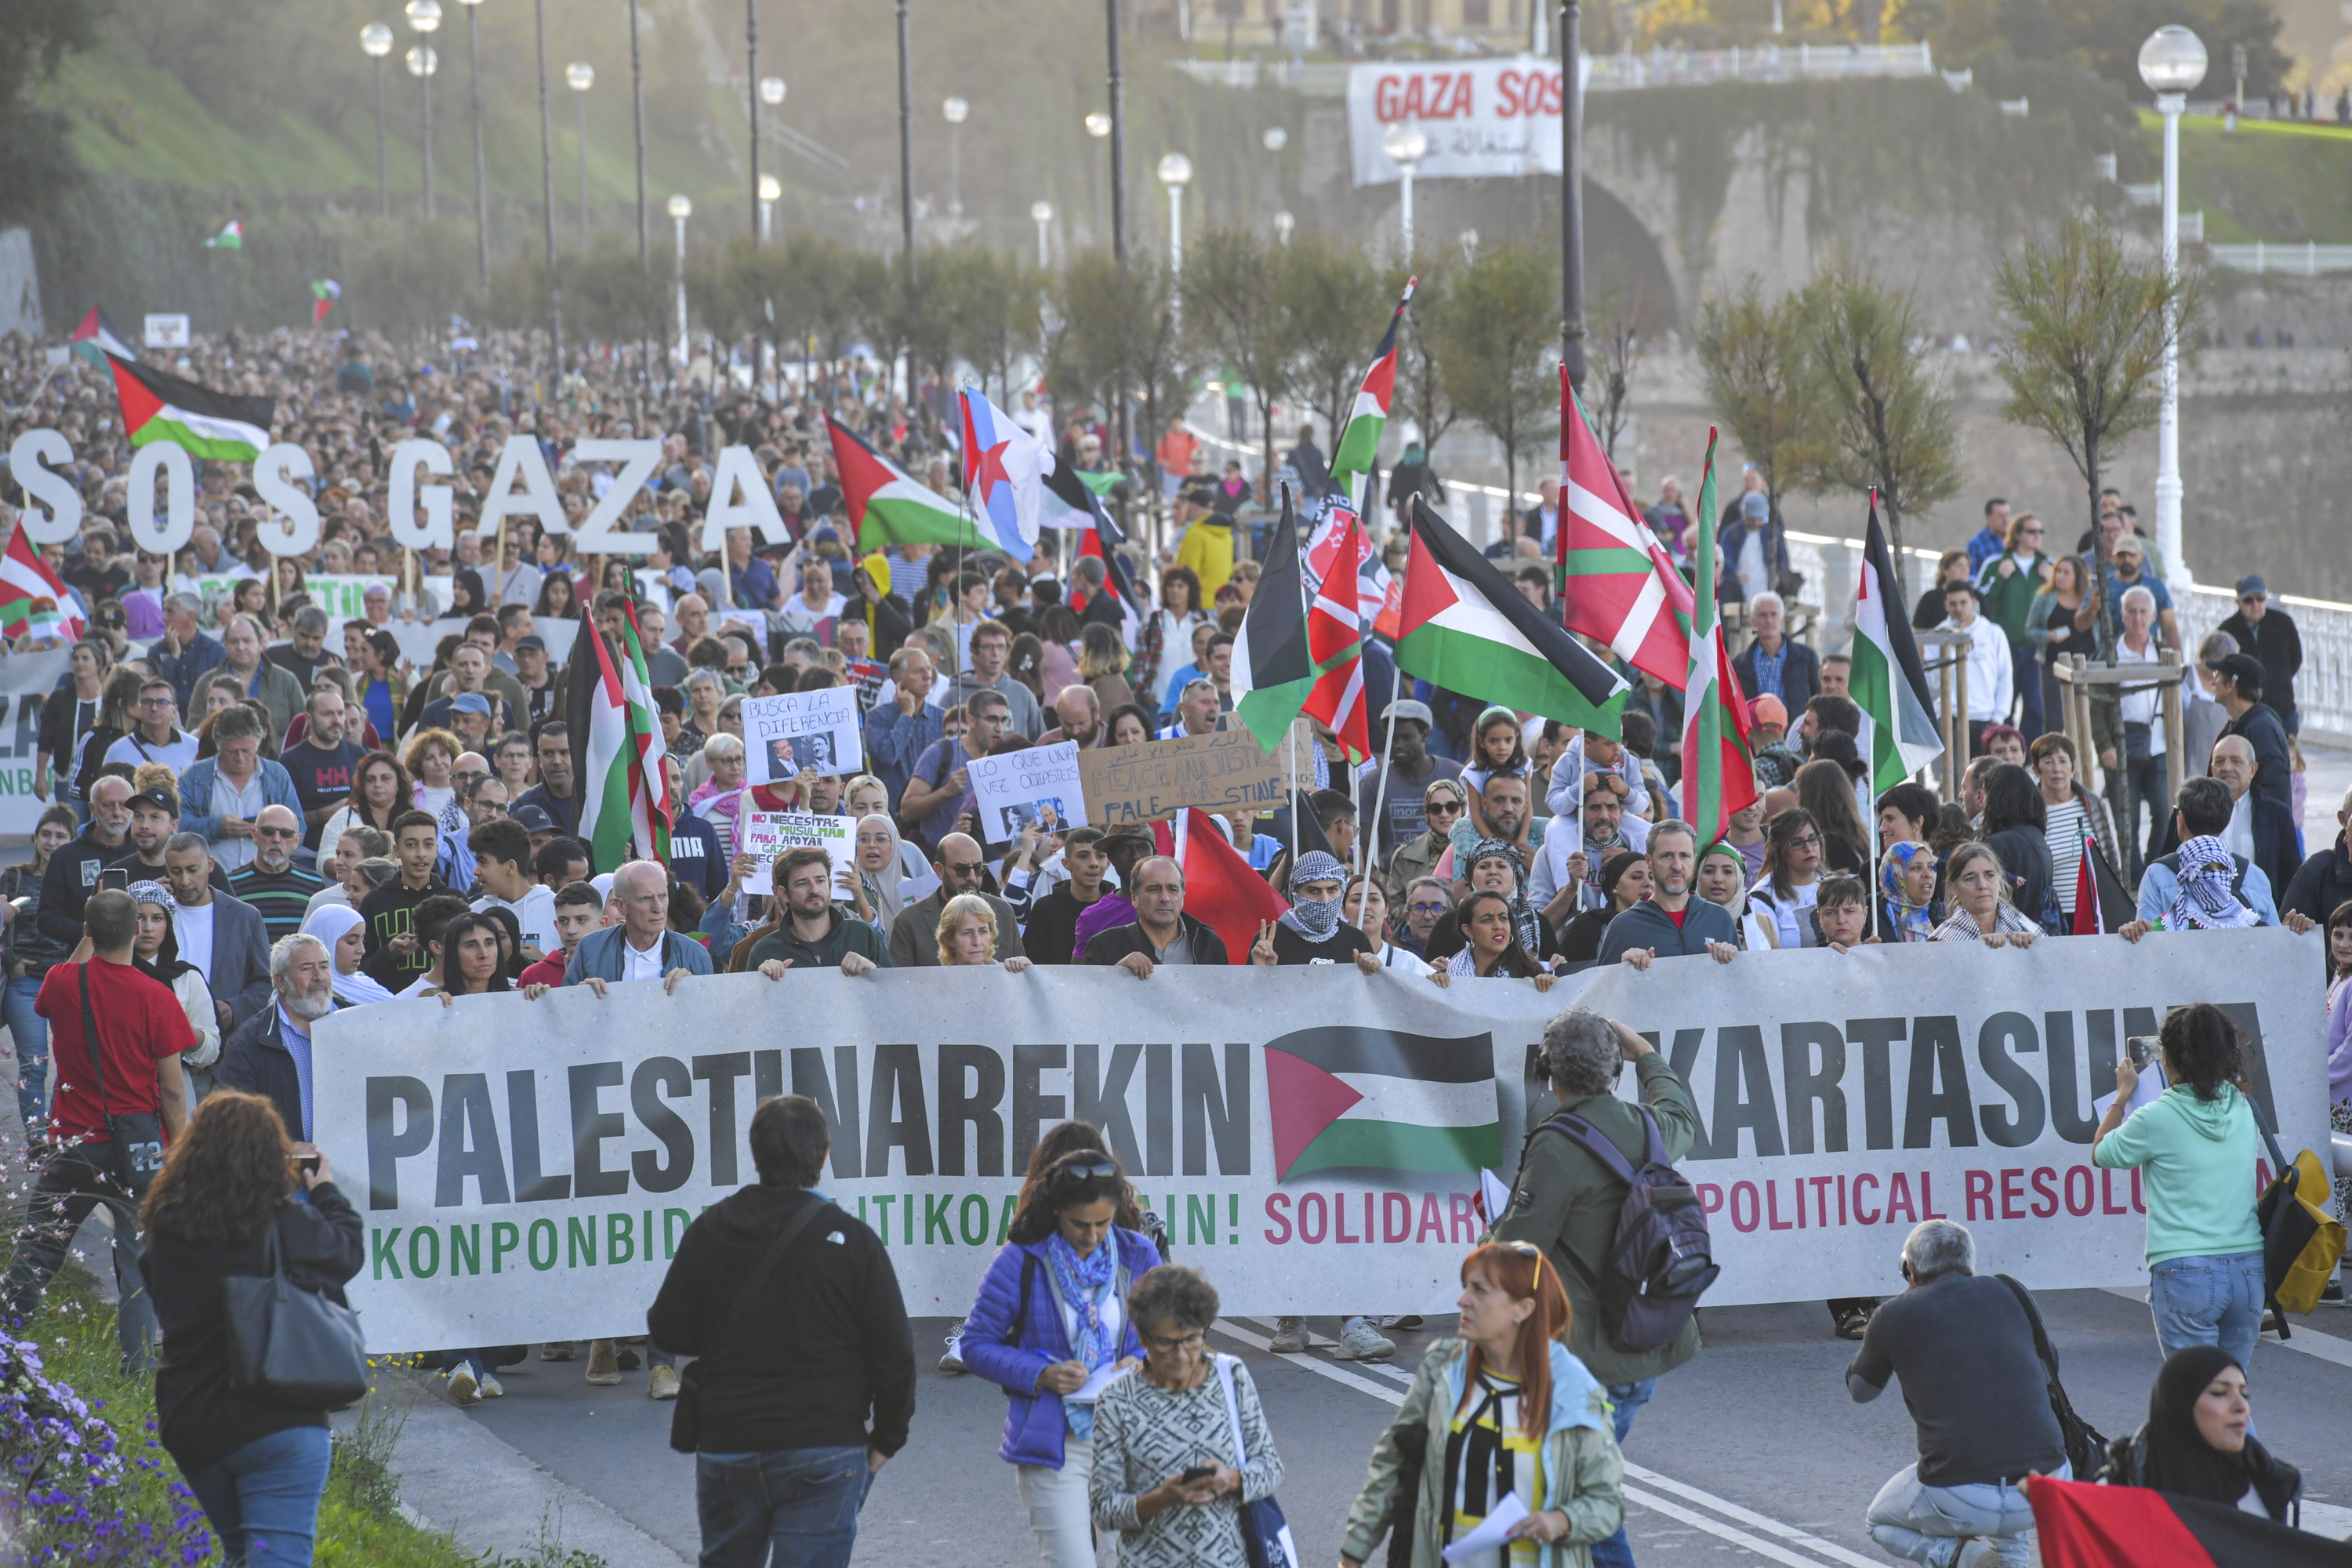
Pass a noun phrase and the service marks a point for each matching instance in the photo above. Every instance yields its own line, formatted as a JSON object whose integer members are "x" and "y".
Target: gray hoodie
{"x": 1647, "y": 925}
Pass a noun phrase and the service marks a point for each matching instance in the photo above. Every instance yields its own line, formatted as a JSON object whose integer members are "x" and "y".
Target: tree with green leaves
{"x": 1752, "y": 365}
{"x": 2086, "y": 366}
{"x": 1882, "y": 418}
{"x": 1332, "y": 294}
{"x": 1231, "y": 315}
{"x": 992, "y": 304}
{"x": 36, "y": 148}
{"x": 1500, "y": 324}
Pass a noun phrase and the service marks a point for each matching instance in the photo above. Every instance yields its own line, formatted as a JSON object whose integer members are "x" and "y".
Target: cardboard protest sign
{"x": 1221, "y": 770}
{"x": 1039, "y": 784}
{"x": 802, "y": 732}
{"x": 768, "y": 834}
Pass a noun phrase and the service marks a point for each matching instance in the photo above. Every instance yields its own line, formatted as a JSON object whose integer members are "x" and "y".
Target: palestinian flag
{"x": 218, "y": 426}
{"x": 1467, "y": 628}
{"x": 324, "y": 292}
{"x": 1221, "y": 891}
{"x": 95, "y": 338}
{"x": 650, "y": 807}
{"x": 1718, "y": 777}
{"x": 1357, "y": 450}
{"x": 2102, "y": 905}
{"x": 230, "y": 239}
{"x": 1350, "y": 1097}
{"x": 887, "y": 505}
{"x": 1617, "y": 584}
{"x": 1273, "y": 669}
{"x": 2083, "y": 1525}
{"x": 1335, "y": 641}
{"x": 29, "y": 592}
{"x": 607, "y": 758}
{"x": 1888, "y": 684}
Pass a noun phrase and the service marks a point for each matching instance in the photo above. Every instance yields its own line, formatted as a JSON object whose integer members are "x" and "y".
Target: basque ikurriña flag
{"x": 1350, "y": 1097}
{"x": 1005, "y": 470}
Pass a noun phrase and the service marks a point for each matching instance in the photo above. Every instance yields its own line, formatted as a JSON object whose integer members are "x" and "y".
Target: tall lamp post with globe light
{"x": 1175, "y": 172}
{"x": 580, "y": 76}
{"x": 481, "y": 162}
{"x": 772, "y": 191}
{"x": 425, "y": 20}
{"x": 1041, "y": 213}
{"x": 1283, "y": 224}
{"x": 375, "y": 42}
{"x": 771, "y": 93}
{"x": 681, "y": 209}
{"x": 1406, "y": 145}
{"x": 2172, "y": 62}
{"x": 1098, "y": 131}
{"x": 955, "y": 111}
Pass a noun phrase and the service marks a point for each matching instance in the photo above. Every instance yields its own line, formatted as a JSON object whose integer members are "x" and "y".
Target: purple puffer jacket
{"x": 1033, "y": 1423}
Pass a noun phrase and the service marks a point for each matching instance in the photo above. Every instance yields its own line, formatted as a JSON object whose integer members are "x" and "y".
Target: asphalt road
{"x": 1751, "y": 1453}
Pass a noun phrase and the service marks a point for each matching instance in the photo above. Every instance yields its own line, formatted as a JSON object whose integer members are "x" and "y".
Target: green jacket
{"x": 2009, "y": 601}
{"x": 1566, "y": 1202}
{"x": 1583, "y": 1472}
{"x": 848, "y": 935}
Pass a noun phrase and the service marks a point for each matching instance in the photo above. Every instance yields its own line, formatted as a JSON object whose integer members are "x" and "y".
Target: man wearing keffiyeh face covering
{"x": 1312, "y": 930}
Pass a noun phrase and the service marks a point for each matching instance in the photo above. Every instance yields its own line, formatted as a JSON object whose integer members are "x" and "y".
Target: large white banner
{"x": 1312, "y": 1136}
{"x": 1485, "y": 119}
{"x": 26, "y": 680}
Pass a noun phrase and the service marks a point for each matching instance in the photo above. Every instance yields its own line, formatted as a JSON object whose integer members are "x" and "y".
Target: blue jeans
{"x": 795, "y": 1507}
{"x": 2209, "y": 1302}
{"x": 30, "y": 1033}
{"x": 1928, "y": 1525}
{"x": 263, "y": 1500}
{"x": 1626, "y": 1400}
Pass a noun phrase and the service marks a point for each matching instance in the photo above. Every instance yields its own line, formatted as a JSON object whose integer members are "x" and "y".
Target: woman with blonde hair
{"x": 1978, "y": 894}
{"x": 968, "y": 934}
{"x": 1506, "y": 1409}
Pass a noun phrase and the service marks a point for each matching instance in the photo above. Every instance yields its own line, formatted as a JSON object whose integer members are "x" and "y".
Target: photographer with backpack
{"x": 1627, "y": 1234}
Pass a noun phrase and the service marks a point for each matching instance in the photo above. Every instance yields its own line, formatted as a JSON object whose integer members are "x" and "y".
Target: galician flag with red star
{"x": 1005, "y": 470}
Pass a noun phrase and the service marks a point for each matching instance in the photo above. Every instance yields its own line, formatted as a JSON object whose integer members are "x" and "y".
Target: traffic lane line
{"x": 2308, "y": 1339}
{"x": 1395, "y": 1397}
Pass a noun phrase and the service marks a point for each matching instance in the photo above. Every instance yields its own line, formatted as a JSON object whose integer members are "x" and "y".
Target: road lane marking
{"x": 2308, "y": 1339}
{"x": 1717, "y": 1528}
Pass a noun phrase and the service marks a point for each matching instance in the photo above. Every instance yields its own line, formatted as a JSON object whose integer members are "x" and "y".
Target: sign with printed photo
{"x": 803, "y": 733}
{"x": 768, "y": 834}
{"x": 1039, "y": 784}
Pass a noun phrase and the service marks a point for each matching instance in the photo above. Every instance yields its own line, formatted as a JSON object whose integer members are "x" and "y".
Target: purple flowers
{"x": 69, "y": 1492}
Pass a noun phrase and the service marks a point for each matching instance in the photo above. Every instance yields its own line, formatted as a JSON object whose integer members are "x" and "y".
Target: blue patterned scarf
{"x": 1082, "y": 1282}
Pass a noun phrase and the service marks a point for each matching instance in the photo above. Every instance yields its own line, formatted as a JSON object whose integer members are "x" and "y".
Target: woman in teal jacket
{"x": 2198, "y": 1142}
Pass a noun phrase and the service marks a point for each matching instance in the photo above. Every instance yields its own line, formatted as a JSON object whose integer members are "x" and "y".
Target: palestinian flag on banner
{"x": 95, "y": 338}
{"x": 2102, "y": 905}
{"x": 231, "y": 238}
{"x": 650, "y": 807}
{"x": 887, "y": 505}
{"x": 1273, "y": 669}
{"x": 1357, "y": 449}
{"x": 1617, "y": 584}
{"x": 221, "y": 426}
{"x": 1350, "y": 1097}
{"x": 2083, "y": 1525}
{"x": 1718, "y": 779}
{"x": 1888, "y": 683}
{"x": 607, "y": 757}
{"x": 1465, "y": 627}
{"x": 1221, "y": 891}
{"x": 1335, "y": 641}
{"x": 29, "y": 591}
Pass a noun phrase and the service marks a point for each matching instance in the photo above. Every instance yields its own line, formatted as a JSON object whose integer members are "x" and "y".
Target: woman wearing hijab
{"x": 155, "y": 952}
{"x": 1723, "y": 881}
{"x": 1312, "y": 930}
{"x": 881, "y": 870}
{"x": 344, "y": 930}
{"x": 1907, "y": 891}
{"x": 2198, "y": 1442}
{"x": 467, "y": 599}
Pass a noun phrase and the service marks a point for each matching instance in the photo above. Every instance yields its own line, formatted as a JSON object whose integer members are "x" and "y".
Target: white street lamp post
{"x": 375, "y": 42}
{"x": 1406, "y": 145}
{"x": 425, "y": 19}
{"x": 1176, "y": 172}
{"x": 1041, "y": 213}
{"x": 680, "y": 209}
{"x": 1098, "y": 131}
{"x": 772, "y": 191}
{"x": 1276, "y": 139}
{"x": 580, "y": 76}
{"x": 1283, "y": 224}
{"x": 957, "y": 111}
{"x": 2172, "y": 62}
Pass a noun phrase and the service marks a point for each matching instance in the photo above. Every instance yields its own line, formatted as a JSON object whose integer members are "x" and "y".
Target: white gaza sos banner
{"x": 1485, "y": 119}
{"x": 1312, "y": 1136}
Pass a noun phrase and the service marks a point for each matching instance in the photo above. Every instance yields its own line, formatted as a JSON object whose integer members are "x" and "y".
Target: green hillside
{"x": 2284, "y": 183}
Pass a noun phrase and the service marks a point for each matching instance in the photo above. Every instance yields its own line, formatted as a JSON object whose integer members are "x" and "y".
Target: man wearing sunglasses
{"x": 274, "y": 884}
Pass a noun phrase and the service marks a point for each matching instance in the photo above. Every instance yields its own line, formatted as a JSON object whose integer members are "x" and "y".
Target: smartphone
{"x": 117, "y": 877}
{"x": 306, "y": 1163}
{"x": 2141, "y": 1049}
{"x": 1197, "y": 1473}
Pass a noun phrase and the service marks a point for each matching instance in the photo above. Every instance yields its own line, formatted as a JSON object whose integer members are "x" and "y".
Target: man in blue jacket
{"x": 642, "y": 947}
{"x": 269, "y": 1053}
{"x": 222, "y": 796}
{"x": 1671, "y": 922}
{"x": 220, "y": 934}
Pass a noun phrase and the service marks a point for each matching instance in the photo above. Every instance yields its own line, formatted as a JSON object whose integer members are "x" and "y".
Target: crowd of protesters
{"x": 262, "y": 814}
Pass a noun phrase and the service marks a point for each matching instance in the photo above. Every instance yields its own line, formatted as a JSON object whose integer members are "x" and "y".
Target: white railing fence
{"x": 2307, "y": 260}
{"x": 1620, "y": 72}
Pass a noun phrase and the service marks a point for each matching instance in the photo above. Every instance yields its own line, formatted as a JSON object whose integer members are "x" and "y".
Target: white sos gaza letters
{"x": 522, "y": 486}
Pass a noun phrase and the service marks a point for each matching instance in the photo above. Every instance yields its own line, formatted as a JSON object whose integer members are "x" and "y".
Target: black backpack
{"x": 1659, "y": 1261}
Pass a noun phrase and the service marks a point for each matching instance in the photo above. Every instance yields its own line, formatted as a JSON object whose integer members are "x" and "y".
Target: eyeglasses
{"x": 1806, "y": 841}
{"x": 1191, "y": 1341}
{"x": 1072, "y": 1172}
{"x": 158, "y": 703}
{"x": 277, "y": 832}
{"x": 1428, "y": 908}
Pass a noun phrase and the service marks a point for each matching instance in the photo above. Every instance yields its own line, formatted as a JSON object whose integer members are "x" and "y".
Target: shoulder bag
{"x": 1265, "y": 1534}
{"x": 136, "y": 1151}
{"x": 289, "y": 1346}
{"x": 2086, "y": 1450}
{"x": 686, "y": 1417}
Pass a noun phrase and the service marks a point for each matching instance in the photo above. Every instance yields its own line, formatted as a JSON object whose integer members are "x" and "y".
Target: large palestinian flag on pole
{"x": 26, "y": 581}
{"x": 1617, "y": 584}
{"x": 1718, "y": 777}
{"x": 221, "y": 426}
{"x": 1349, "y": 1098}
{"x": 1273, "y": 669}
{"x": 608, "y": 754}
{"x": 887, "y": 505}
{"x": 1889, "y": 683}
{"x": 1358, "y": 447}
{"x": 1467, "y": 628}
{"x": 95, "y": 338}
{"x": 650, "y": 807}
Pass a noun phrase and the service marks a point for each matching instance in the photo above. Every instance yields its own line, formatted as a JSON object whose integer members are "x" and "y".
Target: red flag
{"x": 2086, "y": 897}
{"x": 1335, "y": 641}
{"x": 1221, "y": 892}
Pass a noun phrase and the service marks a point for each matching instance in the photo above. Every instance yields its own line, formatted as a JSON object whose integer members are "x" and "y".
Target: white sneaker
{"x": 491, "y": 1388}
{"x": 1359, "y": 1340}
{"x": 1289, "y": 1336}
{"x": 464, "y": 1388}
{"x": 952, "y": 1363}
{"x": 1976, "y": 1552}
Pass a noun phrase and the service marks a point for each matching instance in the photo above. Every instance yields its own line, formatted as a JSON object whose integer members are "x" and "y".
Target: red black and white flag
{"x": 2102, "y": 904}
{"x": 2085, "y": 1526}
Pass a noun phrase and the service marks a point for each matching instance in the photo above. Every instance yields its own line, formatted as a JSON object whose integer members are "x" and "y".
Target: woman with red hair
{"x": 1506, "y": 1409}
